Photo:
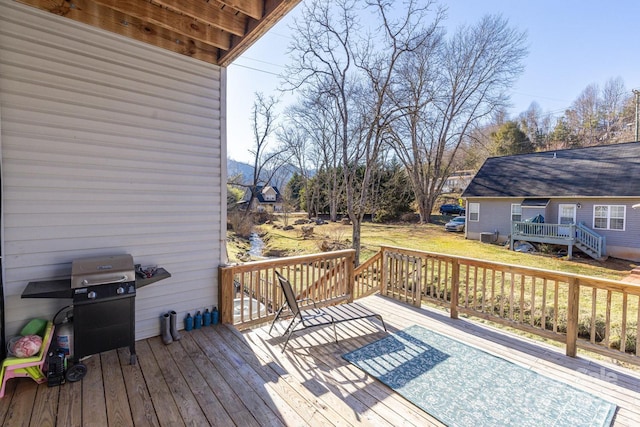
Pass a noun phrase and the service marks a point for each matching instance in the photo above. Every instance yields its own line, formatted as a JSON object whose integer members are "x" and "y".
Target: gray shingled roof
{"x": 605, "y": 170}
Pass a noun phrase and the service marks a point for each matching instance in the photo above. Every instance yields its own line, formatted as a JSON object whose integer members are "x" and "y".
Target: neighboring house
{"x": 266, "y": 198}
{"x": 457, "y": 181}
{"x": 585, "y": 195}
{"x": 113, "y": 141}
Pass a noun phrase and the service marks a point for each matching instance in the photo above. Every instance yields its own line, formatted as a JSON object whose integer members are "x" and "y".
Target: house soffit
{"x": 214, "y": 31}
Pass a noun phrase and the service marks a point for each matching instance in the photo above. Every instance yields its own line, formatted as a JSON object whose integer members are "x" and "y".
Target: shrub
{"x": 334, "y": 242}
{"x": 631, "y": 340}
{"x": 410, "y": 217}
{"x": 241, "y": 223}
{"x": 262, "y": 217}
{"x": 584, "y": 327}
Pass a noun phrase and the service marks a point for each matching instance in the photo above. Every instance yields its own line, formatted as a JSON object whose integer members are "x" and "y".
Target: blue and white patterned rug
{"x": 464, "y": 386}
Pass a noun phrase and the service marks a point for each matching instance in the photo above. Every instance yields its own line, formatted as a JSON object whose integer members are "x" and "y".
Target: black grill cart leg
{"x": 132, "y": 352}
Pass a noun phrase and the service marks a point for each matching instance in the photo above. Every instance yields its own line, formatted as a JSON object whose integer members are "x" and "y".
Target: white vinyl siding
{"x": 109, "y": 146}
{"x": 609, "y": 217}
{"x": 474, "y": 212}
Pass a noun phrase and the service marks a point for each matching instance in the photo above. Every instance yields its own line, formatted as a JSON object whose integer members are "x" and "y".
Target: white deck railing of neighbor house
{"x": 592, "y": 241}
{"x": 593, "y": 314}
{"x": 560, "y": 234}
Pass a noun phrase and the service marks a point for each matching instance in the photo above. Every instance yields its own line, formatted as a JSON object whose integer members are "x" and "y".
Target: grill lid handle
{"x": 86, "y": 282}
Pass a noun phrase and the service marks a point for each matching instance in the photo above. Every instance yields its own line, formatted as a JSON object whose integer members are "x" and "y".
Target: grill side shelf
{"x": 160, "y": 274}
{"x": 61, "y": 288}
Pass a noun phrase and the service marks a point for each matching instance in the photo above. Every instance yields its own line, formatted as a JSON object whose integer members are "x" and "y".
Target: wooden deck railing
{"x": 368, "y": 276}
{"x": 250, "y": 293}
{"x": 595, "y": 314}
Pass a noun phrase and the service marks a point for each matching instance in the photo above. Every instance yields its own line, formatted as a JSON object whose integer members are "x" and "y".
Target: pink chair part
{"x": 16, "y": 367}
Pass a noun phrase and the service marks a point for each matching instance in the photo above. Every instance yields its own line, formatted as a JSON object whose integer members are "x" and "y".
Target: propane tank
{"x": 64, "y": 331}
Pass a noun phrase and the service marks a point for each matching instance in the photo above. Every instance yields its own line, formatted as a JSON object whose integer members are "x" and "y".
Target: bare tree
{"x": 467, "y": 76}
{"x": 628, "y": 119}
{"x": 583, "y": 116}
{"x": 319, "y": 154}
{"x": 267, "y": 159}
{"x": 595, "y": 117}
{"x": 323, "y": 59}
{"x": 354, "y": 72}
{"x": 614, "y": 97}
{"x": 409, "y": 134}
{"x": 400, "y": 37}
{"x": 533, "y": 124}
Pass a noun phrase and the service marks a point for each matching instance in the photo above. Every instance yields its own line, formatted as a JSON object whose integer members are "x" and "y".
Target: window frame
{"x": 608, "y": 218}
{"x": 474, "y": 208}
{"x": 513, "y": 205}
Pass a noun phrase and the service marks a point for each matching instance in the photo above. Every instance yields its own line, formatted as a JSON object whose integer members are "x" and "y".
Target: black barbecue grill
{"x": 104, "y": 290}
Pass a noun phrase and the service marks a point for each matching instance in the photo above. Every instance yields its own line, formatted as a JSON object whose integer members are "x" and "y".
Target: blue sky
{"x": 571, "y": 44}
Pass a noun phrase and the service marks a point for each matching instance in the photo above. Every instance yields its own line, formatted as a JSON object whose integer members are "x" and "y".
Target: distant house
{"x": 266, "y": 198}
{"x": 585, "y": 198}
{"x": 457, "y": 181}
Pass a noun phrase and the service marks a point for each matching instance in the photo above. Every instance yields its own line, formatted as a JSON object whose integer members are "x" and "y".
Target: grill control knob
{"x": 92, "y": 295}
{"x": 120, "y": 290}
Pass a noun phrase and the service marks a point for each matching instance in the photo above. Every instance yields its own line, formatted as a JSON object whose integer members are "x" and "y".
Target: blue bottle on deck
{"x": 197, "y": 320}
{"x": 215, "y": 316}
{"x": 188, "y": 322}
{"x": 206, "y": 318}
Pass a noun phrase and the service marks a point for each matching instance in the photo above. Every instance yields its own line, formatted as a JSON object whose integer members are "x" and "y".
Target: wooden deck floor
{"x": 219, "y": 376}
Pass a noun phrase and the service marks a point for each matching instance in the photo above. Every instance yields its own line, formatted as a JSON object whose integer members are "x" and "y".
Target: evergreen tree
{"x": 294, "y": 190}
{"x": 510, "y": 139}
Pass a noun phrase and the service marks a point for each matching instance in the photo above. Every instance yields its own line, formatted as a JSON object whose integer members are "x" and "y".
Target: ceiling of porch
{"x": 214, "y": 31}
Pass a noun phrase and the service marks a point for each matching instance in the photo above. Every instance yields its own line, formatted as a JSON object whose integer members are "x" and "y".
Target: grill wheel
{"x": 76, "y": 372}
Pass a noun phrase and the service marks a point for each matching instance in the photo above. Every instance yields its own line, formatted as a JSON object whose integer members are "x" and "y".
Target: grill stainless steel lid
{"x": 102, "y": 270}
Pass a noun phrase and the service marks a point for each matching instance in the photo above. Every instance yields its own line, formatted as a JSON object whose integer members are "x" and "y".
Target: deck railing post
{"x": 350, "y": 260}
{"x": 384, "y": 274}
{"x": 225, "y": 302}
{"x": 573, "y": 305}
{"x": 455, "y": 287}
{"x": 513, "y": 233}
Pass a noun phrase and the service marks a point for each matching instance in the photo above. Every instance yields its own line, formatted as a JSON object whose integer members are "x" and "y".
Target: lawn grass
{"x": 433, "y": 238}
{"x": 427, "y": 237}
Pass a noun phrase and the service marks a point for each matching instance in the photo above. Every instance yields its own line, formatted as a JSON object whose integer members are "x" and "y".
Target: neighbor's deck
{"x": 218, "y": 376}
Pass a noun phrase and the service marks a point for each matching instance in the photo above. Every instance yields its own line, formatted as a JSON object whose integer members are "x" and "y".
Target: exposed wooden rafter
{"x": 215, "y": 31}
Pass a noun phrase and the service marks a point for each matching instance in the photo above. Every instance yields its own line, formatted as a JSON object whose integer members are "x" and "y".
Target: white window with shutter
{"x": 474, "y": 212}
